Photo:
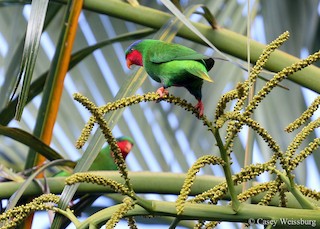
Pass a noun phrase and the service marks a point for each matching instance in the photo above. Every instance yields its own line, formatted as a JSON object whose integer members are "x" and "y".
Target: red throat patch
{"x": 134, "y": 57}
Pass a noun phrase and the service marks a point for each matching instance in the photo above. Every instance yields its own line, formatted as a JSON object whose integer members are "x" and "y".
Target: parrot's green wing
{"x": 200, "y": 73}
{"x": 164, "y": 52}
{"x": 104, "y": 161}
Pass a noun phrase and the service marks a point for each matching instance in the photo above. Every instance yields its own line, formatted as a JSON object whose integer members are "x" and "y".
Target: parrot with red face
{"x": 172, "y": 65}
{"x": 103, "y": 161}
{"x": 105, "y": 158}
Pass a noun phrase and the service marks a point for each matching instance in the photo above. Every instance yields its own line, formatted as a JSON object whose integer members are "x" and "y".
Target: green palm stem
{"x": 227, "y": 171}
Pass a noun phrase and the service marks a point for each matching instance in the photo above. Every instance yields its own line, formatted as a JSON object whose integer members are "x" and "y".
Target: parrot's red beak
{"x": 129, "y": 63}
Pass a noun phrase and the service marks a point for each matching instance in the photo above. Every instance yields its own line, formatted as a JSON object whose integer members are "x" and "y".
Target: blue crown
{"x": 130, "y": 48}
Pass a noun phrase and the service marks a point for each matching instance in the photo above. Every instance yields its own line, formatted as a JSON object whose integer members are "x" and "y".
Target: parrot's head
{"x": 125, "y": 144}
{"x": 134, "y": 55}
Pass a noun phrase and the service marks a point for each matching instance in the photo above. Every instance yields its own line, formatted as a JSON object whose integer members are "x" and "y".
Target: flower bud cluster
{"x": 88, "y": 177}
{"x": 253, "y": 191}
{"x": 305, "y": 116}
{"x": 303, "y": 154}
{"x": 98, "y": 115}
{"x": 213, "y": 195}
{"x": 257, "y": 68}
{"x": 283, "y": 74}
{"x": 271, "y": 192}
{"x": 124, "y": 102}
{"x": 191, "y": 175}
{"x": 237, "y": 117}
{"x": 309, "y": 193}
{"x": 249, "y": 172}
{"x": 282, "y": 194}
{"x": 302, "y": 135}
{"x": 128, "y": 204}
{"x": 242, "y": 91}
{"x": 132, "y": 223}
{"x": 222, "y": 103}
{"x": 13, "y": 217}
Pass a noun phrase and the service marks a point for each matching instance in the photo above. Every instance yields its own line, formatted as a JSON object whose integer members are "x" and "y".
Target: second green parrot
{"x": 172, "y": 65}
{"x": 105, "y": 158}
{"x": 104, "y": 161}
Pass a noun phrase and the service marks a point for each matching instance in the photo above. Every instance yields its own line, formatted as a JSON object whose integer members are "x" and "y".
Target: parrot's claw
{"x": 162, "y": 91}
{"x": 199, "y": 106}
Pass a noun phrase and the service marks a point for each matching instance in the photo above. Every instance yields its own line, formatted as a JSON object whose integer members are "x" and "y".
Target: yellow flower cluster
{"x": 85, "y": 133}
{"x": 283, "y": 74}
{"x": 124, "y": 102}
{"x": 305, "y": 116}
{"x": 213, "y": 194}
{"x": 191, "y": 175}
{"x": 253, "y": 191}
{"x": 97, "y": 179}
{"x": 272, "y": 190}
{"x": 236, "y": 116}
{"x": 249, "y": 172}
{"x": 128, "y": 204}
{"x": 309, "y": 193}
{"x": 98, "y": 115}
{"x": 132, "y": 223}
{"x": 257, "y": 68}
{"x": 202, "y": 224}
{"x": 288, "y": 161}
{"x": 237, "y": 119}
{"x": 294, "y": 162}
{"x": 282, "y": 194}
{"x": 13, "y": 217}
{"x": 240, "y": 116}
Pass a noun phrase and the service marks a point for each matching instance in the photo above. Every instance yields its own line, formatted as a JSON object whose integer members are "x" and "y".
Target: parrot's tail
{"x": 209, "y": 63}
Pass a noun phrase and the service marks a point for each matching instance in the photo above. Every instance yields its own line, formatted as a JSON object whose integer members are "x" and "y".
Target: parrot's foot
{"x": 162, "y": 91}
{"x": 199, "y": 106}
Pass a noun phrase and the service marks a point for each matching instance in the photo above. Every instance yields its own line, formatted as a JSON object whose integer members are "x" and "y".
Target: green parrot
{"x": 172, "y": 65}
{"x": 104, "y": 160}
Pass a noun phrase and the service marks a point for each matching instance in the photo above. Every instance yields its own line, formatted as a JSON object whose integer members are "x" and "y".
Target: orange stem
{"x": 65, "y": 55}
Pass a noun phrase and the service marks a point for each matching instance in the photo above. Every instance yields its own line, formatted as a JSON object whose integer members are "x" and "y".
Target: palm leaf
{"x": 31, "y": 141}
{"x": 31, "y": 47}
{"x": 13, "y": 68}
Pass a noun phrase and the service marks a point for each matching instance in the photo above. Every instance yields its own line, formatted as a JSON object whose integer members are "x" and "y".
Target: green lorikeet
{"x": 104, "y": 160}
{"x": 172, "y": 65}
